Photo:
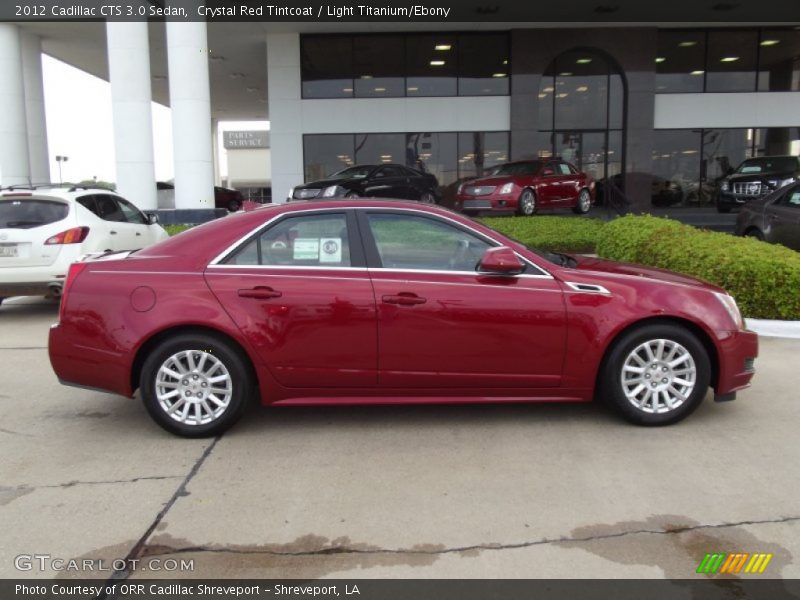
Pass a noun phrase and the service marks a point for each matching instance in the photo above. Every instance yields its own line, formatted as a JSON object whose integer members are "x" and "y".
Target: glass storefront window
{"x": 680, "y": 61}
{"x": 731, "y": 61}
{"x": 327, "y": 66}
{"x": 431, "y": 65}
{"x": 434, "y": 153}
{"x": 479, "y": 152}
{"x": 325, "y": 154}
{"x": 484, "y": 65}
{"x": 723, "y": 150}
{"x": 779, "y": 60}
{"x": 776, "y": 141}
{"x": 379, "y": 66}
{"x": 676, "y": 166}
{"x": 377, "y": 148}
{"x": 581, "y": 91}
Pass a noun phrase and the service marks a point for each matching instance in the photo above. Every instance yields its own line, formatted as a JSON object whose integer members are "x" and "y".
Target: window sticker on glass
{"x": 331, "y": 250}
{"x": 306, "y": 249}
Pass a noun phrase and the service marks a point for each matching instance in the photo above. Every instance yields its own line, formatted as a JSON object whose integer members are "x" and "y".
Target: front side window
{"x": 421, "y": 243}
{"x": 108, "y": 209}
{"x": 792, "y": 198}
{"x": 132, "y": 214}
{"x": 302, "y": 241}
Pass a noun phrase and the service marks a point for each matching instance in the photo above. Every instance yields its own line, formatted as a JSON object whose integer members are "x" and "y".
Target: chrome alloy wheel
{"x": 658, "y": 376}
{"x": 527, "y": 203}
{"x": 585, "y": 201}
{"x": 193, "y": 387}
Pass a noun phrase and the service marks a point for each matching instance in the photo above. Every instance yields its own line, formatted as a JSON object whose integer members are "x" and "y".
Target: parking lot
{"x": 417, "y": 492}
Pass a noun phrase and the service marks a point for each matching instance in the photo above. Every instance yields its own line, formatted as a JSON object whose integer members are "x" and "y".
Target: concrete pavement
{"x": 474, "y": 491}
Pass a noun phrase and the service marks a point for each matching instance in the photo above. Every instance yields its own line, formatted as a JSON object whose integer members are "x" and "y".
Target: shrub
{"x": 559, "y": 234}
{"x": 176, "y": 229}
{"x": 764, "y": 278}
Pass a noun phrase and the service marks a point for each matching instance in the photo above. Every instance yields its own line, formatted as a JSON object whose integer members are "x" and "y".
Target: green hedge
{"x": 764, "y": 278}
{"x": 559, "y": 234}
{"x": 176, "y": 229}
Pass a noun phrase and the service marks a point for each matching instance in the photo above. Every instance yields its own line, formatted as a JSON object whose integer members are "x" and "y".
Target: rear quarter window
{"x": 21, "y": 213}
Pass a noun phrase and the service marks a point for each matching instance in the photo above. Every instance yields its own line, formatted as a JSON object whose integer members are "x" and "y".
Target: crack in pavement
{"x": 118, "y": 574}
{"x": 70, "y": 484}
{"x": 470, "y": 548}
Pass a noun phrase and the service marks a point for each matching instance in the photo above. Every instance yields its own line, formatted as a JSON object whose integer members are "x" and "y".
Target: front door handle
{"x": 113, "y": 232}
{"x": 404, "y": 299}
{"x": 260, "y": 292}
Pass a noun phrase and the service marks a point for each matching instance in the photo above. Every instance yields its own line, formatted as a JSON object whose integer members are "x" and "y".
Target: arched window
{"x": 582, "y": 113}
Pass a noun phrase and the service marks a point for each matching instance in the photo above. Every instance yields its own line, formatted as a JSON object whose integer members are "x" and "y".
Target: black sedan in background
{"x": 372, "y": 181}
{"x": 774, "y": 219}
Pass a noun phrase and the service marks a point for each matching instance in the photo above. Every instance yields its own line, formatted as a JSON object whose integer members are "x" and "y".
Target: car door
{"x": 387, "y": 182}
{"x": 548, "y": 190}
{"x": 138, "y": 230}
{"x": 569, "y": 185}
{"x": 299, "y": 291}
{"x": 783, "y": 218}
{"x": 120, "y": 237}
{"x": 442, "y": 324}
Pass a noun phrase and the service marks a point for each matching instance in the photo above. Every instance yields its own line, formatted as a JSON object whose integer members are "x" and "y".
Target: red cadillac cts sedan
{"x": 527, "y": 186}
{"x": 377, "y": 302}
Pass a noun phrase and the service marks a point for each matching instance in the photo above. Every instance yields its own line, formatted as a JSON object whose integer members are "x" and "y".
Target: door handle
{"x": 260, "y": 292}
{"x": 404, "y": 299}
{"x": 138, "y": 233}
{"x": 113, "y": 233}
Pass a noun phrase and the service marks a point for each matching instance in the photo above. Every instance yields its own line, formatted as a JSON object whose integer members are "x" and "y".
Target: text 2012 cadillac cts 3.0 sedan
{"x": 376, "y": 302}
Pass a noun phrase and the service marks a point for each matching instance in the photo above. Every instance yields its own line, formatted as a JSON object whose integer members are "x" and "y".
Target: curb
{"x": 768, "y": 328}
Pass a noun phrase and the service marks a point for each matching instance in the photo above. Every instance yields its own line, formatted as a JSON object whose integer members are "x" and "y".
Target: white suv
{"x": 45, "y": 229}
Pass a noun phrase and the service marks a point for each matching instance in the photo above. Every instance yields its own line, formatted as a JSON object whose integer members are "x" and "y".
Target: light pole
{"x": 61, "y": 159}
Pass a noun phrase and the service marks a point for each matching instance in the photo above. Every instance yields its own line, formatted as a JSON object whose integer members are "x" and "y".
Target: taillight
{"x": 71, "y": 236}
{"x": 75, "y": 269}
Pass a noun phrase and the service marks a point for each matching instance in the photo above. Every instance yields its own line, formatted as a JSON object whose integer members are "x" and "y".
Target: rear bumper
{"x": 33, "y": 281}
{"x": 738, "y": 351}
{"x": 80, "y": 366}
{"x": 43, "y": 288}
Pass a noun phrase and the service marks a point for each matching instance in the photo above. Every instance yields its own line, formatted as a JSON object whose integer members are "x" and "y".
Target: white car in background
{"x": 45, "y": 229}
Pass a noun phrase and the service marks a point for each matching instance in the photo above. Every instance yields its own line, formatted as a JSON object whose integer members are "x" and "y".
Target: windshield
{"x": 353, "y": 172}
{"x": 768, "y": 164}
{"x": 522, "y": 168}
{"x": 26, "y": 214}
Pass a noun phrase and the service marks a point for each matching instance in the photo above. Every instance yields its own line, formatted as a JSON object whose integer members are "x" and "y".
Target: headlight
{"x": 786, "y": 182}
{"x": 733, "y": 310}
{"x": 507, "y": 188}
{"x": 724, "y": 186}
{"x": 330, "y": 192}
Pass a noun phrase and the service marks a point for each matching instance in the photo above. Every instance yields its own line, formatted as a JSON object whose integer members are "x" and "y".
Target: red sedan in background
{"x": 527, "y": 186}
{"x": 376, "y": 302}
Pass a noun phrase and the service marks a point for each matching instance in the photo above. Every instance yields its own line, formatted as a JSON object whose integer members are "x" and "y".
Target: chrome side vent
{"x": 589, "y": 288}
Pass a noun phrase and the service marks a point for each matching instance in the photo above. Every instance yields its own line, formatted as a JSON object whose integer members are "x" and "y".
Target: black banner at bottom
{"x": 402, "y": 589}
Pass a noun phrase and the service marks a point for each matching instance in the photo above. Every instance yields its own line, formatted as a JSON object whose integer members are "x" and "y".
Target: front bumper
{"x": 737, "y": 353}
{"x": 731, "y": 200}
{"x": 498, "y": 202}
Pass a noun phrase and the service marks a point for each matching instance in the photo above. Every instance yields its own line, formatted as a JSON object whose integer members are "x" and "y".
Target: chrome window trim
{"x": 215, "y": 261}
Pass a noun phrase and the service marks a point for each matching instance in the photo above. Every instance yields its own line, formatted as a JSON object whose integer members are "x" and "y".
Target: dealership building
{"x": 650, "y": 107}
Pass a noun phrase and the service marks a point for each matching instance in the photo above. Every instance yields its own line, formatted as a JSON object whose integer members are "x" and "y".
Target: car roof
{"x": 45, "y": 191}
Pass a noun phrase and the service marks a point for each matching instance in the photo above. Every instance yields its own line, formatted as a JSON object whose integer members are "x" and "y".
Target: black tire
{"x": 526, "y": 205}
{"x": 236, "y": 364}
{"x": 352, "y": 195}
{"x": 755, "y": 233}
{"x": 610, "y": 382}
{"x": 584, "y": 203}
{"x": 1, "y": 301}
{"x": 723, "y": 209}
{"x": 427, "y": 198}
{"x": 234, "y": 205}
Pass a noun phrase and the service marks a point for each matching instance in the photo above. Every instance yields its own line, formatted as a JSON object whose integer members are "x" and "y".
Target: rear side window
{"x": 27, "y": 214}
{"x": 307, "y": 241}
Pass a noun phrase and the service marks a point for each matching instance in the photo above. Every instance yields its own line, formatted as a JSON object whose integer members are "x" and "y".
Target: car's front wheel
{"x": 526, "y": 205}
{"x": 755, "y": 233}
{"x": 195, "y": 384}
{"x": 584, "y": 203}
{"x": 656, "y": 374}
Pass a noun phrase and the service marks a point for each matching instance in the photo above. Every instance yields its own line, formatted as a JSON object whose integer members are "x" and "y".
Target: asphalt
{"x": 558, "y": 491}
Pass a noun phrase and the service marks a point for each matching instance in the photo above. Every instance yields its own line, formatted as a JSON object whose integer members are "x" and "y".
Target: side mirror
{"x": 500, "y": 261}
{"x": 152, "y": 218}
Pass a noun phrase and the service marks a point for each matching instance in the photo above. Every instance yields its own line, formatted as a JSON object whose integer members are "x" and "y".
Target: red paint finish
{"x": 369, "y": 334}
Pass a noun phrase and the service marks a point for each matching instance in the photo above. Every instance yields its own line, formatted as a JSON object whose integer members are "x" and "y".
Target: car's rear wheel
{"x": 427, "y": 198}
{"x": 584, "y": 203}
{"x": 234, "y": 205}
{"x": 755, "y": 233}
{"x": 526, "y": 205}
{"x": 195, "y": 384}
{"x": 656, "y": 374}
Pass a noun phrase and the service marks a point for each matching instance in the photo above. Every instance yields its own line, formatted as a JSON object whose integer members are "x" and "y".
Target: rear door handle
{"x": 404, "y": 299}
{"x": 260, "y": 292}
{"x": 113, "y": 233}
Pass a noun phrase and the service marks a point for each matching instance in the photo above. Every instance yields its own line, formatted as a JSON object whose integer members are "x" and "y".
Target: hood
{"x": 765, "y": 176}
{"x": 490, "y": 180}
{"x": 599, "y": 265}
